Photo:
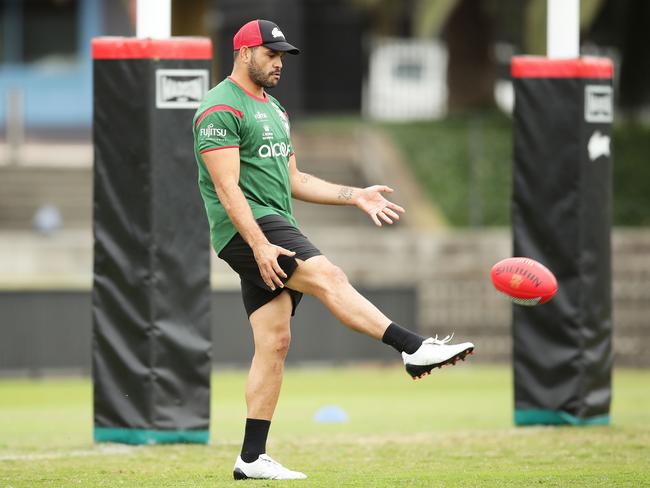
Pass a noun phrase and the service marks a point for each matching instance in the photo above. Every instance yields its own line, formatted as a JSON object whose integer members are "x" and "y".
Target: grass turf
{"x": 450, "y": 429}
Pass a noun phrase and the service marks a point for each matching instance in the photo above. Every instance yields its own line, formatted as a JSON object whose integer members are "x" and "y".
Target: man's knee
{"x": 271, "y": 326}
{"x": 281, "y": 343}
{"x": 330, "y": 279}
{"x": 274, "y": 342}
{"x": 318, "y": 277}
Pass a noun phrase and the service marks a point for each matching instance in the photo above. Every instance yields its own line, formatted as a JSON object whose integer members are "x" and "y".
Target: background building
{"x": 445, "y": 144}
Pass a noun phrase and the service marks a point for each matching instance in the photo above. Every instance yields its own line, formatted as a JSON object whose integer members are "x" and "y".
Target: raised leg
{"x": 320, "y": 278}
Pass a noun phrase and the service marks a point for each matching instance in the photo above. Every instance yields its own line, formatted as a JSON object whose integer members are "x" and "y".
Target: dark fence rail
{"x": 43, "y": 332}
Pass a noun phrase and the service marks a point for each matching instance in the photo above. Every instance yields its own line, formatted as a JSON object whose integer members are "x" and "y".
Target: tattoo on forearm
{"x": 304, "y": 178}
{"x": 345, "y": 193}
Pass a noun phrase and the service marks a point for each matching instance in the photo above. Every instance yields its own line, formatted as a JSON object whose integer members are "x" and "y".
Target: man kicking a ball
{"x": 247, "y": 178}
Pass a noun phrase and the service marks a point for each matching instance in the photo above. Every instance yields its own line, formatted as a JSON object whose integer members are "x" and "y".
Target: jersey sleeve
{"x": 218, "y": 127}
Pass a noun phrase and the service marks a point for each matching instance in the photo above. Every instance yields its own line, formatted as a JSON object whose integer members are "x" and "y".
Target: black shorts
{"x": 239, "y": 257}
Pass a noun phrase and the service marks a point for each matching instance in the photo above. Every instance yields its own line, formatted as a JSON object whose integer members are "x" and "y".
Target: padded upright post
{"x": 561, "y": 216}
{"x": 151, "y": 291}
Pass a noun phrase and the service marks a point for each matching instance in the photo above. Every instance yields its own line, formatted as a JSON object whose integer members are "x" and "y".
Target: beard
{"x": 259, "y": 77}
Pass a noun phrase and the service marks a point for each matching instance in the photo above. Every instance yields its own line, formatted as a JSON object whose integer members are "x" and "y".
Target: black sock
{"x": 255, "y": 436}
{"x": 402, "y": 339}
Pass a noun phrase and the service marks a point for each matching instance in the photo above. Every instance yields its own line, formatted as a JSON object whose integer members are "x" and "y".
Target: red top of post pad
{"x": 542, "y": 67}
{"x": 147, "y": 48}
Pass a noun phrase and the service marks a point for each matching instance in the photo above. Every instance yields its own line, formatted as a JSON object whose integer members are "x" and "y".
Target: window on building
{"x": 33, "y": 31}
{"x": 2, "y": 32}
{"x": 49, "y": 30}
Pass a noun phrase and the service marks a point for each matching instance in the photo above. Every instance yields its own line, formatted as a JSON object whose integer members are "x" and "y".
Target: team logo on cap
{"x": 277, "y": 33}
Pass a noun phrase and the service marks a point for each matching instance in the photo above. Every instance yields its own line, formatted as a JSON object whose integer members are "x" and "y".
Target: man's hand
{"x": 266, "y": 255}
{"x": 371, "y": 201}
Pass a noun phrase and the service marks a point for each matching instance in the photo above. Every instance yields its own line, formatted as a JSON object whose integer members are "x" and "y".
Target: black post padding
{"x": 561, "y": 216}
{"x": 151, "y": 289}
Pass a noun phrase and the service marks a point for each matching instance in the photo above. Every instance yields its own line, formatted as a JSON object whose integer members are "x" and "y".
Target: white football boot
{"x": 435, "y": 353}
{"x": 264, "y": 468}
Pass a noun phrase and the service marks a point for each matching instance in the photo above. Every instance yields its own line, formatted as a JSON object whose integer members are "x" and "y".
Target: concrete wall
{"x": 438, "y": 283}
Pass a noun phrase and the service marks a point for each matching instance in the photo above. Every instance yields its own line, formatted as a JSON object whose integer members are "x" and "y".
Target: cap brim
{"x": 282, "y": 47}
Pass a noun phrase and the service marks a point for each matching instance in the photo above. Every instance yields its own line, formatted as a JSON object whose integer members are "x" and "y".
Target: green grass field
{"x": 450, "y": 429}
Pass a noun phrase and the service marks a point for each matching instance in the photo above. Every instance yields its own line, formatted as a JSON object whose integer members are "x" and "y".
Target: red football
{"x": 524, "y": 281}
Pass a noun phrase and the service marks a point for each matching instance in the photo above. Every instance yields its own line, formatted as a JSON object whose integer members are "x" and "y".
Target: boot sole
{"x": 417, "y": 372}
{"x": 238, "y": 474}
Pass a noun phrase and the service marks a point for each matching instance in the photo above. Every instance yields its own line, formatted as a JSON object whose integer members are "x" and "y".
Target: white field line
{"x": 97, "y": 451}
{"x": 104, "y": 450}
{"x": 325, "y": 440}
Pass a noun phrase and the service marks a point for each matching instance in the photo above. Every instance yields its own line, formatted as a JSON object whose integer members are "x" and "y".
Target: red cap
{"x": 262, "y": 33}
{"x": 249, "y": 35}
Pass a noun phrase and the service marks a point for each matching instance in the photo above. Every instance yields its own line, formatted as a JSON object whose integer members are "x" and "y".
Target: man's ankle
{"x": 403, "y": 340}
{"x": 255, "y": 434}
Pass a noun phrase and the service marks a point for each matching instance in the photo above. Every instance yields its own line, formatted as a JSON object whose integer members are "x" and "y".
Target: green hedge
{"x": 631, "y": 149}
{"x": 465, "y": 165}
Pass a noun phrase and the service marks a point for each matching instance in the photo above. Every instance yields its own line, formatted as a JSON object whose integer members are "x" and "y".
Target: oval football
{"x": 524, "y": 280}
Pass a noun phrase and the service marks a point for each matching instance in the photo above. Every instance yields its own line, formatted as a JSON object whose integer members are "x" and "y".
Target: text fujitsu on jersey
{"x": 229, "y": 116}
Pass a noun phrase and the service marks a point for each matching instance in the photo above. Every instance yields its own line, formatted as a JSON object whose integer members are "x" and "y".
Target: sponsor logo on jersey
{"x": 180, "y": 88}
{"x": 268, "y": 133}
{"x": 599, "y": 105}
{"x": 212, "y": 131}
{"x": 283, "y": 118}
{"x": 261, "y": 116}
{"x": 277, "y": 33}
{"x": 274, "y": 150}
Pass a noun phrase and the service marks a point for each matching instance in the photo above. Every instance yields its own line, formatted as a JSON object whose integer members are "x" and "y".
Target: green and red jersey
{"x": 229, "y": 117}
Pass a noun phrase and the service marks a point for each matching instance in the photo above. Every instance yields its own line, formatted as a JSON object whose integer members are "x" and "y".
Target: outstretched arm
{"x": 309, "y": 188}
